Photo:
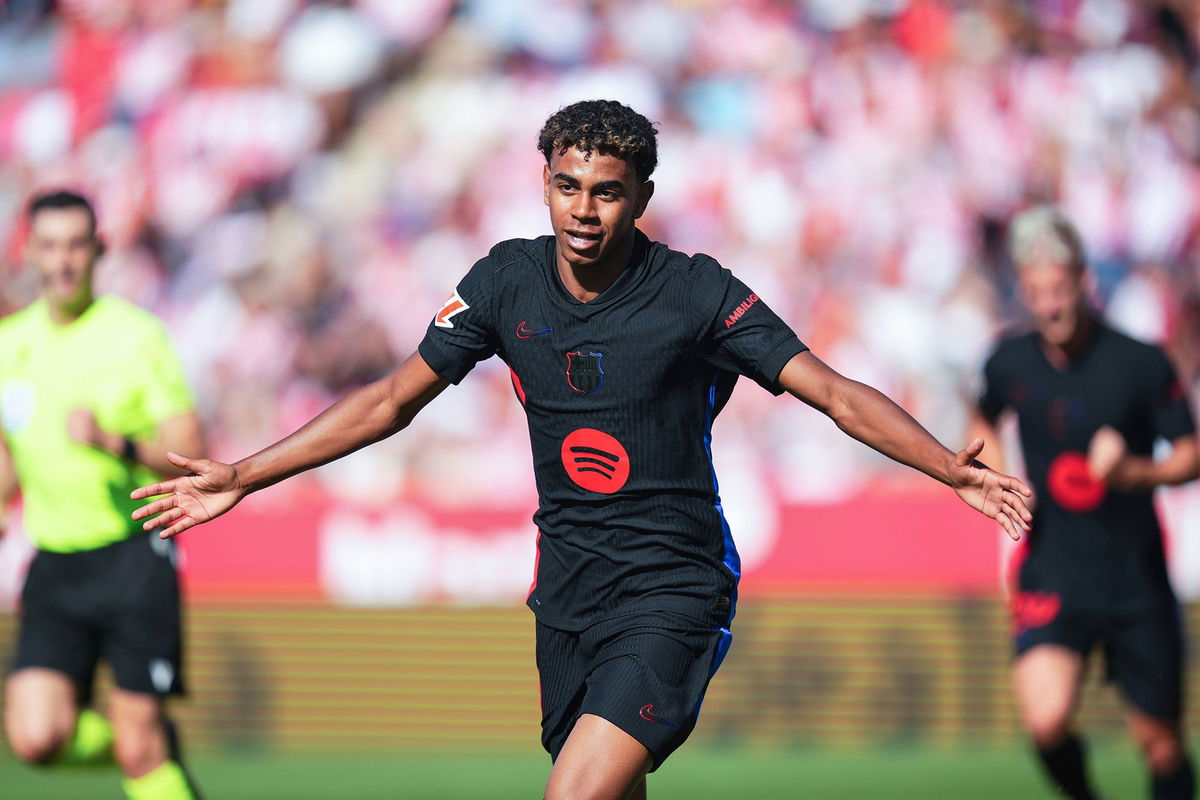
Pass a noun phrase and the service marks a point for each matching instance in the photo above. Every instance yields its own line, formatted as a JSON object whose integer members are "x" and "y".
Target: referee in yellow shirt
{"x": 91, "y": 399}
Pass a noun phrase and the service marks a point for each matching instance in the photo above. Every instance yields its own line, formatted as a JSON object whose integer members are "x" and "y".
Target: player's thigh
{"x": 139, "y": 738}
{"x": 143, "y": 639}
{"x": 40, "y": 707}
{"x": 1046, "y": 681}
{"x": 599, "y": 762}
{"x": 1145, "y": 654}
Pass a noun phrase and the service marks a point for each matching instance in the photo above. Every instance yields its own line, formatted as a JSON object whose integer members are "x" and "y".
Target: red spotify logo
{"x": 595, "y": 460}
{"x": 1071, "y": 483}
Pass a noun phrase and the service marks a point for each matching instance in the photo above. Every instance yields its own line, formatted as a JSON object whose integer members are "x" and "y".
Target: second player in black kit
{"x": 1093, "y": 570}
{"x": 1090, "y": 404}
{"x": 622, "y": 353}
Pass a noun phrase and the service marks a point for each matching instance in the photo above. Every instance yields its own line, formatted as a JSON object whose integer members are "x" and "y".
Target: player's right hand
{"x": 212, "y": 489}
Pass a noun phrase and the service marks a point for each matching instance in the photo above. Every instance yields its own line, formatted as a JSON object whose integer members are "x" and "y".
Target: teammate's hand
{"x": 1001, "y": 497}
{"x": 1106, "y": 451}
{"x": 82, "y": 427}
{"x": 212, "y": 489}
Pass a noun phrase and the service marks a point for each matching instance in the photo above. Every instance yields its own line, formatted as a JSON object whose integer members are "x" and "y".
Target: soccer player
{"x": 1090, "y": 403}
{"x": 622, "y": 352}
{"x": 91, "y": 398}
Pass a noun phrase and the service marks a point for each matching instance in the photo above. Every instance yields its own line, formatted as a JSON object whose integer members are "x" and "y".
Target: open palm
{"x": 212, "y": 489}
{"x": 999, "y": 496}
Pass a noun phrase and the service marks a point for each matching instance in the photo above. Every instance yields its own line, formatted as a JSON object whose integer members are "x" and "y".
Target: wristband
{"x": 129, "y": 449}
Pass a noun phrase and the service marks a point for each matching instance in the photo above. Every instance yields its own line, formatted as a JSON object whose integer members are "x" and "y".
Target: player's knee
{"x": 138, "y": 752}
{"x": 36, "y": 743}
{"x": 1048, "y": 731}
{"x": 1163, "y": 753}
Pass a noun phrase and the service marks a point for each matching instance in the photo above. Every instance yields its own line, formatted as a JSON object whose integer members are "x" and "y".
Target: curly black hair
{"x": 602, "y": 126}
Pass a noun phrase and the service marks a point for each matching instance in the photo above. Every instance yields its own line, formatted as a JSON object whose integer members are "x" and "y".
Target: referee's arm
{"x": 181, "y": 433}
{"x": 867, "y": 415}
{"x": 8, "y": 484}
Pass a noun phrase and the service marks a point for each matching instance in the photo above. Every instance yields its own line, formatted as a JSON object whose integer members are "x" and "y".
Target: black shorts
{"x": 644, "y": 673}
{"x": 1144, "y": 652}
{"x": 119, "y": 603}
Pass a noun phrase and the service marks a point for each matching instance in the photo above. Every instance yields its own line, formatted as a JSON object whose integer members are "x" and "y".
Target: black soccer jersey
{"x": 620, "y": 394}
{"x": 1098, "y": 547}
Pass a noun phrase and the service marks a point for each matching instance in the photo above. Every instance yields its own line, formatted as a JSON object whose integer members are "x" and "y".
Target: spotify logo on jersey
{"x": 595, "y": 460}
{"x": 1071, "y": 483}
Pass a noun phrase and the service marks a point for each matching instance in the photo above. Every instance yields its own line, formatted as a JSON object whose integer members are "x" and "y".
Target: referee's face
{"x": 63, "y": 249}
{"x": 594, "y": 200}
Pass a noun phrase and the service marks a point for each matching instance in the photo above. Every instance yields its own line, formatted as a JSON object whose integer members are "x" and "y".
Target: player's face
{"x": 63, "y": 249}
{"x": 1054, "y": 295}
{"x": 594, "y": 200}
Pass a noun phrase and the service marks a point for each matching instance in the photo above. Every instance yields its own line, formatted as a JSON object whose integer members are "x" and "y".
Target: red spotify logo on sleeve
{"x": 595, "y": 460}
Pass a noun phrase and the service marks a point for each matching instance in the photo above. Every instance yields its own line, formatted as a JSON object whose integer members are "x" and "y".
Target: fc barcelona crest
{"x": 584, "y": 372}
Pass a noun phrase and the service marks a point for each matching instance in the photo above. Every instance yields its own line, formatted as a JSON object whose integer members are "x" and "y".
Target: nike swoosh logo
{"x": 646, "y": 712}
{"x": 525, "y": 333}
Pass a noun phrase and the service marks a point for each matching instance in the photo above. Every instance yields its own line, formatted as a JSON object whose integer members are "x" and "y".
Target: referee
{"x": 91, "y": 397}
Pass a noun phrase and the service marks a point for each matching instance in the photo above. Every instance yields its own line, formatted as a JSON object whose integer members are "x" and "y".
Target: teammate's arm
{"x": 8, "y": 484}
{"x": 1109, "y": 461}
{"x": 179, "y": 434}
{"x": 870, "y": 417}
{"x": 362, "y": 417}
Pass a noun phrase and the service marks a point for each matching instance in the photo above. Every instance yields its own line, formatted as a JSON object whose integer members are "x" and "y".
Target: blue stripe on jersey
{"x": 733, "y": 562}
{"x": 722, "y": 649}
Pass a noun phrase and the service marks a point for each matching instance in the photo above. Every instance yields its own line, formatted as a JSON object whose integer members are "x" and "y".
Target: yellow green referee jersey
{"x": 116, "y": 360}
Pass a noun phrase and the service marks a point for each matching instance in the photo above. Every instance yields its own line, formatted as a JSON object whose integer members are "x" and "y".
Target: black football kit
{"x": 1093, "y": 569}
{"x": 620, "y": 394}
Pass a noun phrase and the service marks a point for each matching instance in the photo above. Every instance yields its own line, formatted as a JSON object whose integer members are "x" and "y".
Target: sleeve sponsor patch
{"x": 454, "y": 305}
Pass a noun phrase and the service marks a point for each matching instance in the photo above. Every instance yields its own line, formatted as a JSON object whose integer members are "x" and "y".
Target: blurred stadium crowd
{"x": 296, "y": 187}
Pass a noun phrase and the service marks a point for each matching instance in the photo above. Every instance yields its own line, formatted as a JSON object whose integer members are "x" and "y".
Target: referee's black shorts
{"x": 119, "y": 603}
{"x": 645, "y": 673}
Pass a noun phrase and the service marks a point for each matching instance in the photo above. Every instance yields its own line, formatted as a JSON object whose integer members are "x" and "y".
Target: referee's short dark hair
{"x": 60, "y": 199}
{"x": 606, "y": 127}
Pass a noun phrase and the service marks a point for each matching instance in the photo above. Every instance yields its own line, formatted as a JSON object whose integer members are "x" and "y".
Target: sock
{"x": 91, "y": 743}
{"x": 1177, "y": 785}
{"x": 165, "y": 782}
{"x": 1067, "y": 769}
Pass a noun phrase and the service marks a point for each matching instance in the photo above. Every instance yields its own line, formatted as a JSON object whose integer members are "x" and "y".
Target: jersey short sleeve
{"x": 739, "y": 332}
{"x": 1172, "y": 416}
{"x": 462, "y": 332}
{"x": 993, "y": 395}
{"x": 165, "y": 391}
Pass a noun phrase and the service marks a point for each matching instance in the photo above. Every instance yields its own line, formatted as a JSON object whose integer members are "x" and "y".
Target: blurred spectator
{"x": 300, "y": 185}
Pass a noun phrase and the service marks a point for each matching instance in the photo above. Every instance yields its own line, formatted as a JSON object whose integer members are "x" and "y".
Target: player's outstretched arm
{"x": 870, "y": 417}
{"x": 362, "y": 417}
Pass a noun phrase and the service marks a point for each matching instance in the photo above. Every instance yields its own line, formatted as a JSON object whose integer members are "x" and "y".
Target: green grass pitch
{"x": 729, "y": 774}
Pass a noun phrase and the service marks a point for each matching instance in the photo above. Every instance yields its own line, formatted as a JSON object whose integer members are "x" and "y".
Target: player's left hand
{"x": 1001, "y": 497}
{"x": 1106, "y": 458}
